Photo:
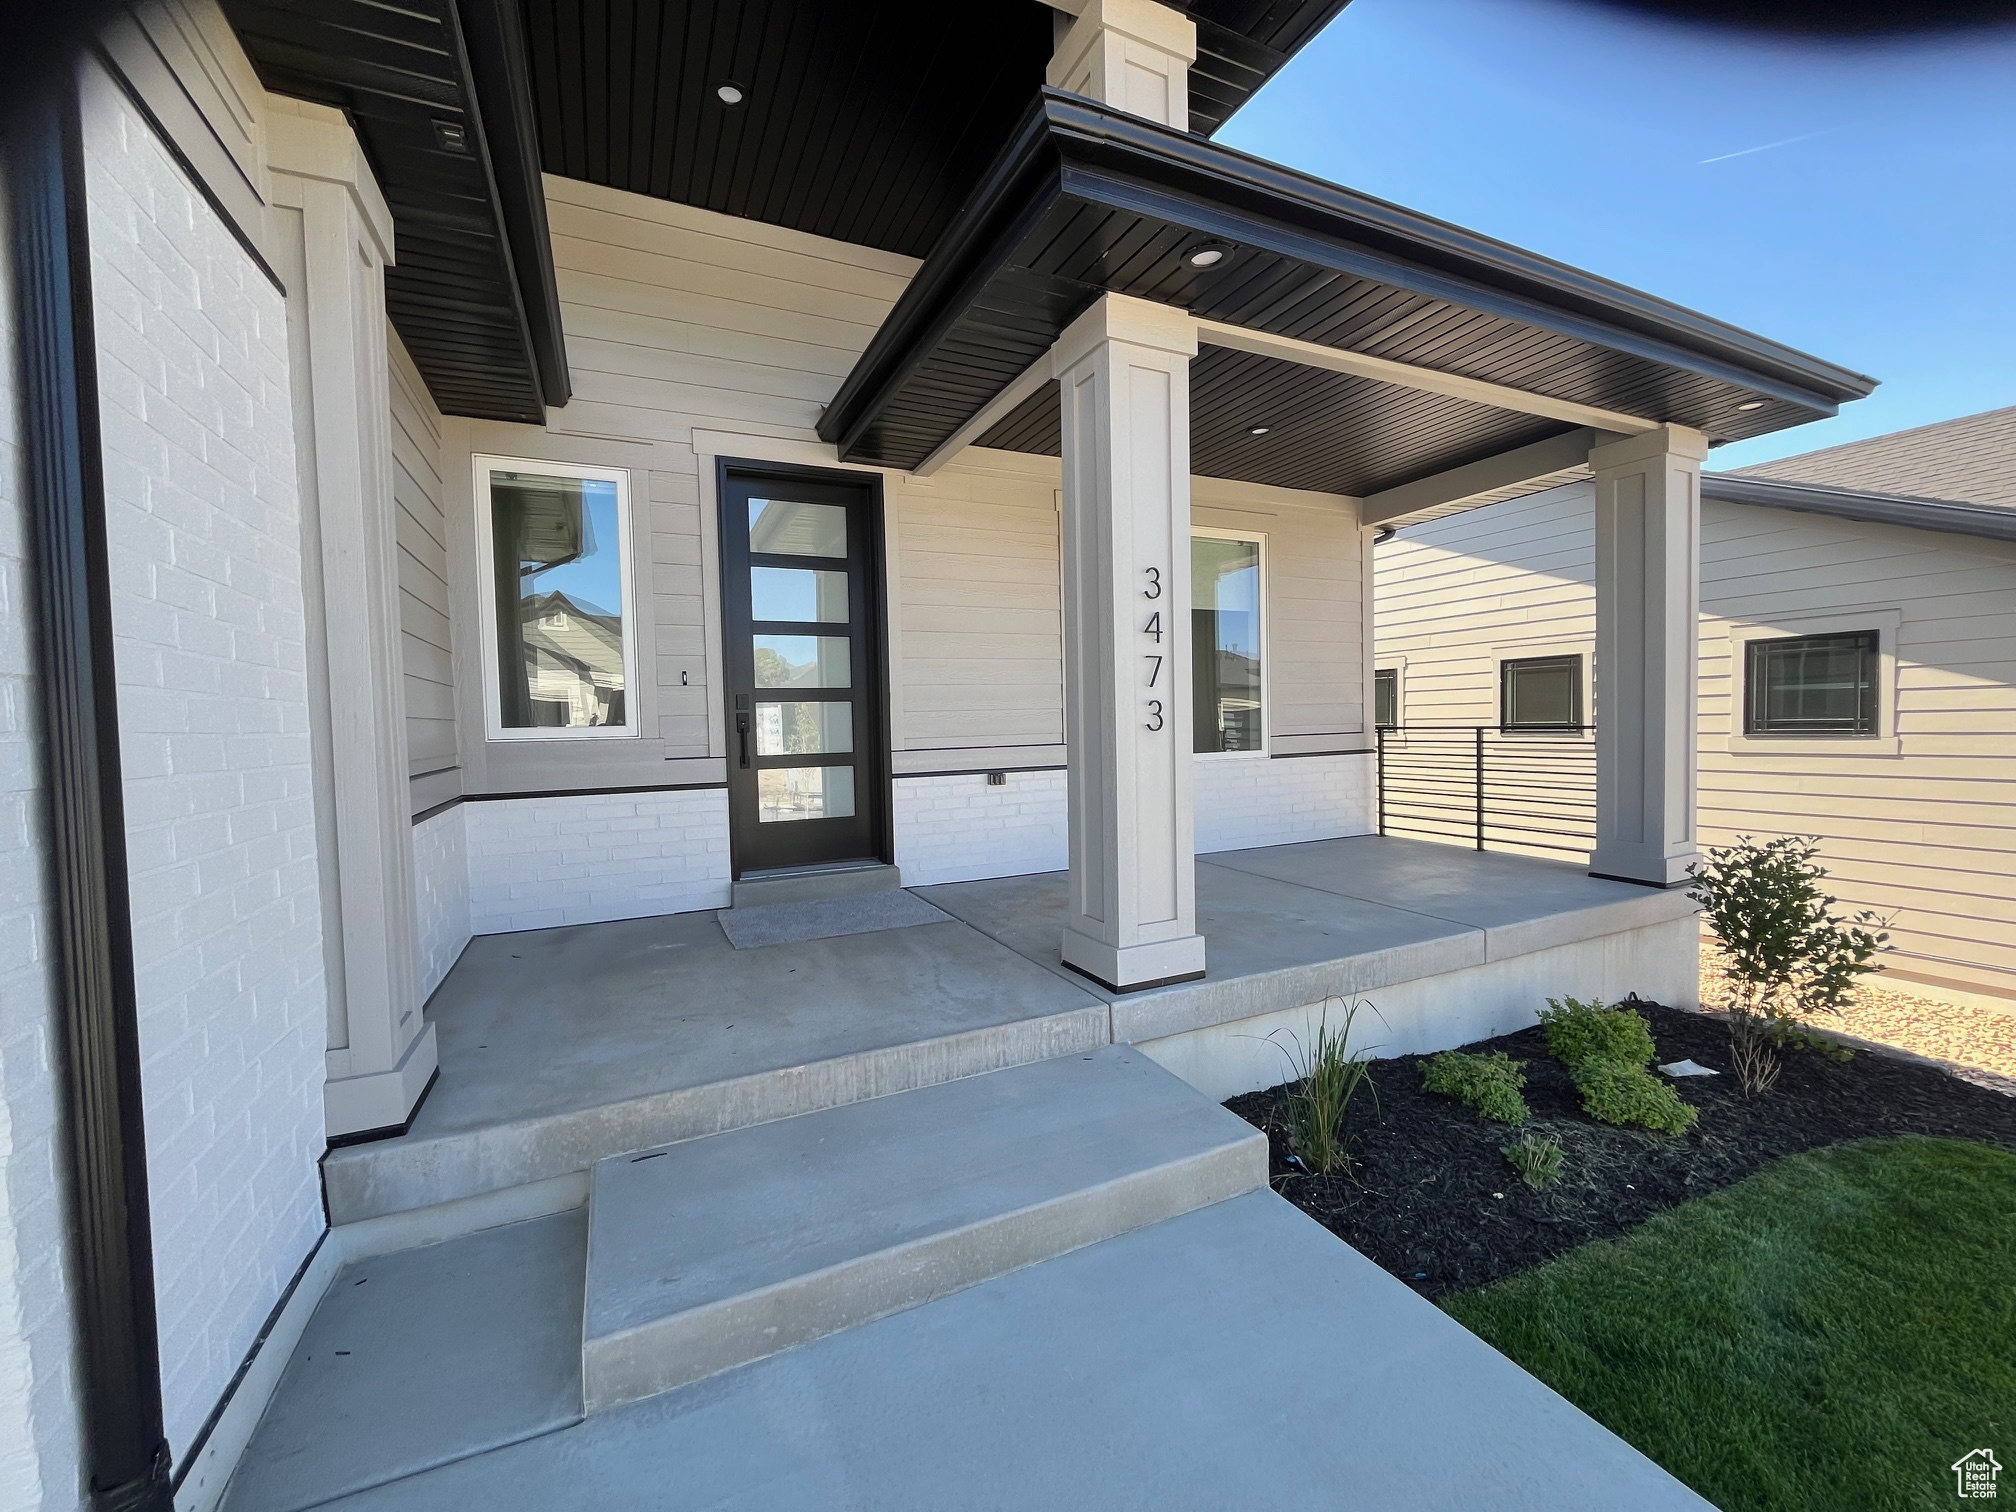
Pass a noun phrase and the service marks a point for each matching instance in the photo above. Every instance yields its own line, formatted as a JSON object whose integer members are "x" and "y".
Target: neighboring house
{"x": 482, "y": 467}
{"x": 1858, "y": 665}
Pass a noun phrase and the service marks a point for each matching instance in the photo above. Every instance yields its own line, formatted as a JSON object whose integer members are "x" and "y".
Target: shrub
{"x": 1537, "y": 1158}
{"x": 1607, "y": 1051}
{"x": 1616, "y": 1093}
{"x": 1328, "y": 1075}
{"x": 1488, "y": 1084}
{"x": 1788, "y": 954}
{"x": 1578, "y": 1032}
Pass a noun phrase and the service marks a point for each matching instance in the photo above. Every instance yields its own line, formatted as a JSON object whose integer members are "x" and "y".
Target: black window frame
{"x": 1508, "y": 669}
{"x": 1385, "y": 691}
{"x": 1761, "y": 652}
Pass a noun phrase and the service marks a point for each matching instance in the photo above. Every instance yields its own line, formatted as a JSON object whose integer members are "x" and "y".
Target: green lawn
{"x": 1830, "y": 1334}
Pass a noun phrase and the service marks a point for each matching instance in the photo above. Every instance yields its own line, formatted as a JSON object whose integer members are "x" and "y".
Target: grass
{"x": 1830, "y": 1334}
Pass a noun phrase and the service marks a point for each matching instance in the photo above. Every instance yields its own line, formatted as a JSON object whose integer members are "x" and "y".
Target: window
{"x": 1386, "y": 697}
{"x": 1227, "y": 711}
{"x": 555, "y": 540}
{"x": 1812, "y": 685}
{"x": 1540, "y": 693}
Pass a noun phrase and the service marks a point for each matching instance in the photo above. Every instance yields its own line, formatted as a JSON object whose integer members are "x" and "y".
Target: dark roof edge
{"x": 501, "y": 90}
{"x": 985, "y": 232}
{"x": 1979, "y": 520}
{"x": 1468, "y": 254}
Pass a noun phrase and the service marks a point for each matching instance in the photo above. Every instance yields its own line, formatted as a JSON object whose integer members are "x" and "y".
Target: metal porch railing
{"x": 1490, "y": 788}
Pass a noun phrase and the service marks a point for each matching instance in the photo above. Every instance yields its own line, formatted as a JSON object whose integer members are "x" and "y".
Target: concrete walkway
{"x": 1238, "y": 1356}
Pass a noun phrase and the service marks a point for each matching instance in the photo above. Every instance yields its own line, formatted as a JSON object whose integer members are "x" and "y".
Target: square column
{"x": 1648, "y": 578}
{"x": 1124, "y": 372}
{"x": 1134, "y": 55}
{"x": 336, "y": 236}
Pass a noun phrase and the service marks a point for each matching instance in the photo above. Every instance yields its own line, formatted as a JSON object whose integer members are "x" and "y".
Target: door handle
{"x": 742, "y": 730}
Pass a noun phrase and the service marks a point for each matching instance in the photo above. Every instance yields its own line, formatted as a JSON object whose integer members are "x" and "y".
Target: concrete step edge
{"x": 667, "y": 1353}
{"x": 447, "y": 1168}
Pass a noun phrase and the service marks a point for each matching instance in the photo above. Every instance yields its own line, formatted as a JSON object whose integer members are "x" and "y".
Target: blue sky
{"x": 1855, "y": 201}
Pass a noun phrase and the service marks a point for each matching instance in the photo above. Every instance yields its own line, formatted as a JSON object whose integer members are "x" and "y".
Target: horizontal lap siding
{"x": 1929, "y": 836}
{"x": 426, "y": 647}
{"x": 680, "y": 319}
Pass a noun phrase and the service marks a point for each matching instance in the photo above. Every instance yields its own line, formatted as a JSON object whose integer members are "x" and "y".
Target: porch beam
{"x": 1539, "y": 459}
{"x": 1428, "y": 380}
{"x": 990, "y": 414}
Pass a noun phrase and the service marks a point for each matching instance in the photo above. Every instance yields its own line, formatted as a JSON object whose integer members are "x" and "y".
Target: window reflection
{"x": 556, "y": 545}
{"x": 1225, "y": 644}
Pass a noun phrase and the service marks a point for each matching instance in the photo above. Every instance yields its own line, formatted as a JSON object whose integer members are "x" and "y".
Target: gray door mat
{"x": 823, "y": 918}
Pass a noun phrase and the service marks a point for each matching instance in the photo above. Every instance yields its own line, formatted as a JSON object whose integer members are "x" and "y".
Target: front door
{"x": 807, "y": 740}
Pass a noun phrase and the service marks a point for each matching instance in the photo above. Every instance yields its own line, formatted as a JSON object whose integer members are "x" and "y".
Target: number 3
{"x": 1154, "y": 588}
{"x": 1155, "y": 713}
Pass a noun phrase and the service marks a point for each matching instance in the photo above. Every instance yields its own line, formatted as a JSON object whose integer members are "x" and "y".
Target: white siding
{"x": 38, "y": 1424}
{"x": 1927, "y": 834}
{"x": 204, "y": 530}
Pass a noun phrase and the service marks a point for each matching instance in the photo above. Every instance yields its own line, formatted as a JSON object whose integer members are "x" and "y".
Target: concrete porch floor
{"x": 561, "y": 1046}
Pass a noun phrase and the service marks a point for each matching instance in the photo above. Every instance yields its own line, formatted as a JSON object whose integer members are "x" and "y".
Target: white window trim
{"x": 1580, "y": 651}
{"x": 481, "y": 466}
{"x": 1886, "y": 622}
{"x": 1259, "y": 538}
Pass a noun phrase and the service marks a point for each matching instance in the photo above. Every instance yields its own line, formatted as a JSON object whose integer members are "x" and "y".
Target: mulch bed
{"x": 1430, "y": 1197}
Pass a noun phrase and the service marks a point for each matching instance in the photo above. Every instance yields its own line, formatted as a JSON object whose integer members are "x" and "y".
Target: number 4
{"x": 1154, "y": 626}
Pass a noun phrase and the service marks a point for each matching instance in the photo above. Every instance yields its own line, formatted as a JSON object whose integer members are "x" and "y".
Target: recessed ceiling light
{"x": 1259, "y": 430}
{"x": 1750, "y": 404}
{"x": 728, "y": 94}
{"x": 1207, "y": 256}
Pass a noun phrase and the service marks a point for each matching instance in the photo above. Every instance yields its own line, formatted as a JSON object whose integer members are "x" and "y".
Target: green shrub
{"x": 1489, "y": 1084}
{"x": 1616, "y": 1093}
{"x": 1607, "y": 1052}
{"x": 1537, "y": 1158}
{"x": 1578, "y": 1032}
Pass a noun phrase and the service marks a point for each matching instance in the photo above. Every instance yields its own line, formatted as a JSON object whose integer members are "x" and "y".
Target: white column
{"x": 381, "y": 1052}
{"x": 1648, "y": 576}
{"x": 1131, "y": 54}
{"x": 1124, "y": 373}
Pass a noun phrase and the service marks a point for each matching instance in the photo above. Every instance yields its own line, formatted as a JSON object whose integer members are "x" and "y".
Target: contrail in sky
{"x": 1745, "y": 152}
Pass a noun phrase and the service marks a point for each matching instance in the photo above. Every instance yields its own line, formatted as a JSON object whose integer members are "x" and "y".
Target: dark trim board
{"x": 111, "y": 1257}
{"x": 595, "y": 792}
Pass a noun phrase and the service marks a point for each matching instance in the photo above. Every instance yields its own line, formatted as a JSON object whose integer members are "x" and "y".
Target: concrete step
{"x": 815, "y": 883}
{"x": 716, "y": 1252}
{"x": 470, "y": 1178}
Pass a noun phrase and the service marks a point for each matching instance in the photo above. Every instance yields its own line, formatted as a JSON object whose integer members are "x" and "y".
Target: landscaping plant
{"x": 1487, "y": 1084}
{"x": 1537, "y": 1158}
{"x": 1788, "y": 954}
{"x": 1328, "y": 1074}
{"x": 1608, "y": 1053}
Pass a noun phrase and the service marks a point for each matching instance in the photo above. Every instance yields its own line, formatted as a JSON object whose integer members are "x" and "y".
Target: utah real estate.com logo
{"x": 1974, "y": 1475}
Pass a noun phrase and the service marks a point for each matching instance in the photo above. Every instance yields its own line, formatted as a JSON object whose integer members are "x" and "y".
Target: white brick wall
{"x": 958, "y": 829}
{"x": 441, "y": 892}
{"x": 1282, "y": 801}
{"x": 538, "y": 862}
{"x": 38, "y": 1426}
{"x": 204, "y": 529}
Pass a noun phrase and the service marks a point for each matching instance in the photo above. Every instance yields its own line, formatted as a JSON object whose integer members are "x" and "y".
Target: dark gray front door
{"x": 808, "y": 770}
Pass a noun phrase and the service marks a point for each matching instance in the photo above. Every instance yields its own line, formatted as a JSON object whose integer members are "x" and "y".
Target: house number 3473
{"x": 1153, "y": 630}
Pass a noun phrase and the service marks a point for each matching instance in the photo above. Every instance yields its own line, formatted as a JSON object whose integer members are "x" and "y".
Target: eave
{"x": 1983, "y": 521}
{"x": 1086, "y": 200}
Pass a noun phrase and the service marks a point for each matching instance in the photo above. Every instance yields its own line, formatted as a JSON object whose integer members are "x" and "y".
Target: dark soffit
{"x": 1086, "y": 200}
{"x": 868, "y": 121}
{"x": 471, "y": 291}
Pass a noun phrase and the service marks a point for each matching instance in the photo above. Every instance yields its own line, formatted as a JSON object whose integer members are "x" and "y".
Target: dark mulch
{"x": 1430, "y": 1197}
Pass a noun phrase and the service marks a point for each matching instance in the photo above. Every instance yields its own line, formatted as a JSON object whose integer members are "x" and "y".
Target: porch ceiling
{"x": 862, "y": 120}
{"x": 1086, "y": 200}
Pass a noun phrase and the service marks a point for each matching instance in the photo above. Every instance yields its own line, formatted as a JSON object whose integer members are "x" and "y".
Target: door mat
{"x": 823, "y": 918}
